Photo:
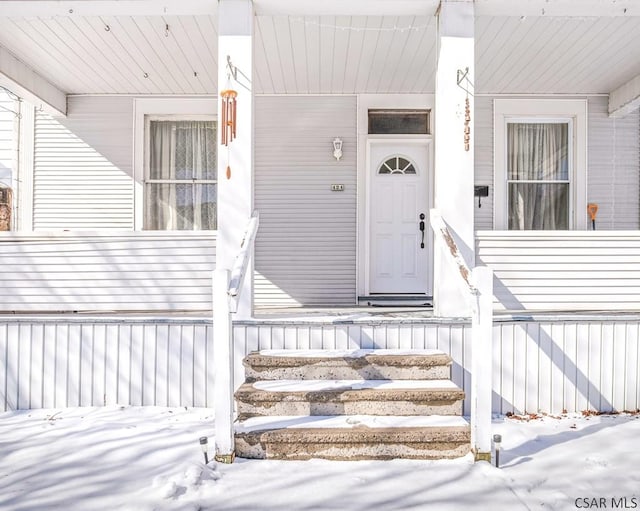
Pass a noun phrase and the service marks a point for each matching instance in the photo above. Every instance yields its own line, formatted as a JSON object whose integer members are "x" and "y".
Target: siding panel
{"x": 83, "y": 166}
{"x": 306, "y": 246}
{"x": 121, "y": 271}
{"x": 562, "y": 270}
{"x": 96, "y": 362}
{"x": 539, "y": 365}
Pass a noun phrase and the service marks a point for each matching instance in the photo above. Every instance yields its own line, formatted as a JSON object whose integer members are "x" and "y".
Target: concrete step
{"x": 383, "y": 364}
{"x": 349, "y": 397}
{"x": 353, "y": 437}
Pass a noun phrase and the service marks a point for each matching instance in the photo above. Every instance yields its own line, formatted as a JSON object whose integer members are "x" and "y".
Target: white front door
{"x": 398, "y": 203}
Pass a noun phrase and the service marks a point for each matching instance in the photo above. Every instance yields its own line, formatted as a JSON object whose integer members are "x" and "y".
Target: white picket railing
{"x": 477, "y": 285}
{"x": 227, "y": 288}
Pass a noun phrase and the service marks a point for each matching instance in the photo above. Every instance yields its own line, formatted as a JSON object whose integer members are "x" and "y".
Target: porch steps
{"x": 363, "y": 364}
{"x": 349, "y": 397}
{"x": 350, "y": 404}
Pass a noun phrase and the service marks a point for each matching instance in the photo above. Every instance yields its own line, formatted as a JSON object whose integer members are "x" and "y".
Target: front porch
{"x": 344, "y": 206}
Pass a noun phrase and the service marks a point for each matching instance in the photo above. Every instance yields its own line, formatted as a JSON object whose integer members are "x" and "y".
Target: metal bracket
{"x": 481, "y": 456}
{"x": 463, "y": 76}
{"x": 227, "y": 459}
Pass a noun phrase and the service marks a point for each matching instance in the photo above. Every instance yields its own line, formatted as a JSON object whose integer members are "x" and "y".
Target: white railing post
{"x": 223, "y": 368}
{"x": 481, "y": 363}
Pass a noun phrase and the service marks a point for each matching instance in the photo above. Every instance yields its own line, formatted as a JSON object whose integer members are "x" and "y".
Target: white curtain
{"x": 181, "y": 153}
{"x": 538, "y": 173}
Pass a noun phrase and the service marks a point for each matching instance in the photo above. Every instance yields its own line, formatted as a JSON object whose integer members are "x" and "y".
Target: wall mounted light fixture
{"x": 337, "y": 148}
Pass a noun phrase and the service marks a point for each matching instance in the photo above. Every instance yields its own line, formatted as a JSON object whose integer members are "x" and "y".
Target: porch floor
{"x": 320, "y": 314}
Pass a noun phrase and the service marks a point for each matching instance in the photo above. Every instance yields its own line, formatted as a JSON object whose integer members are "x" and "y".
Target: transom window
{"x": 398, "y": 122}
{"x": 538, "y": 174}
{"x": 397, "y": 165}
{"x": 180, "y": 191}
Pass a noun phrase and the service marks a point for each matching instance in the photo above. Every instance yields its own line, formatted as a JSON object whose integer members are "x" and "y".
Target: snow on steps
{"x": 382, "y": 364}
{"x": 353, "y": 437}
{"x": 350, "y": 404}
{"x": 349, "y": 397}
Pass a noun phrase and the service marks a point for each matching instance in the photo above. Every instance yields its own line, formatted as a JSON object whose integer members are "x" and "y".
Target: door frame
{"x": 391, "y": 101}
{"x": 418, "y": 140}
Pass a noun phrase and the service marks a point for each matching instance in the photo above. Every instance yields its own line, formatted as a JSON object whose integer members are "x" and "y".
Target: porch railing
{"x": 227, "y": 290}
{"x": 477, "y": 286}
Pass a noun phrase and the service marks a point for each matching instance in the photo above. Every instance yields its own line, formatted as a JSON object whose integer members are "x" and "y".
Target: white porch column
{"x": 453, "y": 164}
{"x": 235, "y": 191}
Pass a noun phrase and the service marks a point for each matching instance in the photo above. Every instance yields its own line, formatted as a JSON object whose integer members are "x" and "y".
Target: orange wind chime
{"x": 229, "y": 111}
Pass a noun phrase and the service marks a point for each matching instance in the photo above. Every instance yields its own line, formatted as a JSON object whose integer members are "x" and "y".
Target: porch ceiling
{"x": 323, "y": 54}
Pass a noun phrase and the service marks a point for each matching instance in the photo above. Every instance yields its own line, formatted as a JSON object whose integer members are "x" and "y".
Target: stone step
{"x": 349, "y": 397}
{"x": 356, "y": 437}
{"x": 383, "y": 364}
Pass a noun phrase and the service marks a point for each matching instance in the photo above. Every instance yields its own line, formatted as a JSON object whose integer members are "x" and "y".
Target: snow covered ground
{"x": 139, "y": 459}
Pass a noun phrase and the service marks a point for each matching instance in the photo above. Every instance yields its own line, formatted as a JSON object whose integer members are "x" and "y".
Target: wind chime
{"x": 467, "y": 120}
{"x": 228, "y": 111}
{"x": 463, "y": 76}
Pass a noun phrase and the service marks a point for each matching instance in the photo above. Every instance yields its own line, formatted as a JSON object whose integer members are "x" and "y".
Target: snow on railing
{"x": 227, "y": 290}
{"x": 477, "y": 285}
{"x": 241, "y": 264}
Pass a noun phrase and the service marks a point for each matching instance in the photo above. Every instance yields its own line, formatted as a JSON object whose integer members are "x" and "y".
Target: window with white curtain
{"x": 180, "y": 190}
{"x": 538, "y": 175}
{"x": 540, "y": 164}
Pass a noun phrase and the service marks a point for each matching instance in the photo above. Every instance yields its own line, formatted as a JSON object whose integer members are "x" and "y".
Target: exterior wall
{"x": 548, "y": 366}
{"x": 65, "y": 362}
{"x": 306, "y": 247}
{"x": 141, "y": 271}
{"x": 578, "y": 270}
{"x": 83, "y": 166}
{"x": 613, "y": 160}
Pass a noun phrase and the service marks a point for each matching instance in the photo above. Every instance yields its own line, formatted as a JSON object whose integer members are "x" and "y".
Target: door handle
{"x": 422, "y": 229}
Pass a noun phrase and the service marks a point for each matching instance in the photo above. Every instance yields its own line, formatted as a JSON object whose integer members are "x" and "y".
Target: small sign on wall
{"x": 337, "y": 188}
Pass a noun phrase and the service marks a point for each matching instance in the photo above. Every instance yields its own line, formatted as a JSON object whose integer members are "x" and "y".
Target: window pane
{"x": 538, "y": 206}
{"x": 407, "y": 122}
{"x": 397, "y": 165}
{"x": 538, "y": 151}
{"x": 180, "y": 206}
{"x": 182, "y": 150}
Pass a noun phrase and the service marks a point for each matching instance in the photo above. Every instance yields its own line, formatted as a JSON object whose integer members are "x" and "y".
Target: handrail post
{"x": 223, "y": 368}
{"x": 481, "y": 364}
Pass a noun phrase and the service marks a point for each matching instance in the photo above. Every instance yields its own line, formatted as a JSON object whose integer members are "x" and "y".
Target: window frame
{"x": 542, "y": 111}
{"x": 175, "y": 109}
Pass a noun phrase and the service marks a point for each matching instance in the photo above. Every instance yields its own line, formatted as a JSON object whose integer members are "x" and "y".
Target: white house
{"x": 355, "y": 120}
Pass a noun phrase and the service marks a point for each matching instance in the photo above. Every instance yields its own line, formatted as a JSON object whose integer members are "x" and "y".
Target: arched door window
{"x": 397, "y": 165}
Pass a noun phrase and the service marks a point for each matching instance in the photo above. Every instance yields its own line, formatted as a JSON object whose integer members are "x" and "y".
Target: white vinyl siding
{"x": 613, "y": 164}
{"x": 306, "y": 245}
{"x": 614, "y": 167}
{"x": 53, "y": 363}
{"x": 482, "y": 138}
{"x": 539, "y": 365}
{"x": 562, "y": 271}
{"x": 126, "y": 271}
{"x": 83, "y": 166}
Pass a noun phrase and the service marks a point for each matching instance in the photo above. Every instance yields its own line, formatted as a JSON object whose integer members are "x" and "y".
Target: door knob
{"x": 422, "y": 229}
